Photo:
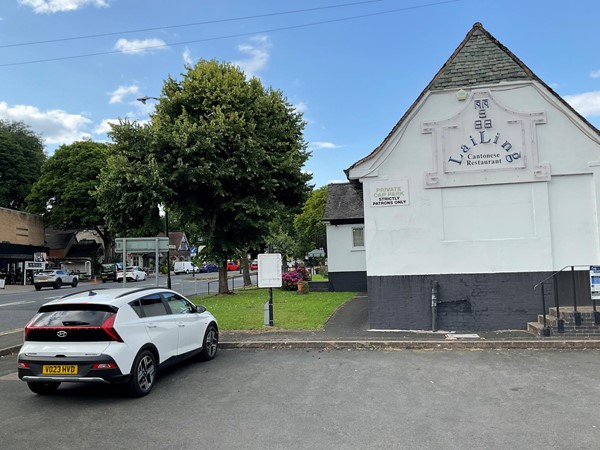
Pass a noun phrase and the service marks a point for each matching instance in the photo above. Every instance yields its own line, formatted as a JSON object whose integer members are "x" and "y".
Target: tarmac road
{"x": 339, "y": 399}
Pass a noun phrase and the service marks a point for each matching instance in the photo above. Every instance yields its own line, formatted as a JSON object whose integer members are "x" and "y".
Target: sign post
{"x": 141, "y": 245}
{"x": 269, "y": 276}
{"x": 595, "y": 290}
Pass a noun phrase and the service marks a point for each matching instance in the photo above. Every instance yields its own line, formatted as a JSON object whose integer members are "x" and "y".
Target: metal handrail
{"x": 559, "y": 271}
{"x": 577, "y": 315}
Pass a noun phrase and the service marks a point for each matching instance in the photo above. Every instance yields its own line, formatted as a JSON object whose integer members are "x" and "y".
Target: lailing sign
{"x": 595, "y": 282}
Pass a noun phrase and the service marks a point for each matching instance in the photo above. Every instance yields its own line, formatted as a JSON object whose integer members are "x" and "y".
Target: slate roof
{"x": 344, "y": 204}
{"x": 85, "y": 250}
{"x": 480, "y": 59}
{"x": 59, "y": 239}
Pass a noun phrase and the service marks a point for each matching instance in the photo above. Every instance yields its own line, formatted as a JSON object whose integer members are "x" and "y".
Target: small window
{"x": 135, "y": 305}
{"x": 358, "y": 237}
{"x": 153, "y": 306}
{"x": 178, "y": 304}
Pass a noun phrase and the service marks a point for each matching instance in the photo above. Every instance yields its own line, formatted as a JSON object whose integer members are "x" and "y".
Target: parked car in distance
{"x": 108, "y": 272}
{"x": 232, "y": 265}
{"x": 185, "y": 267}
{"x": 54, "y": 278}
{"x": 133, "y": 273}
{"x": 113, "y": 336}
{"x": 208, "y": 267}
{"x": 254, "y": 265}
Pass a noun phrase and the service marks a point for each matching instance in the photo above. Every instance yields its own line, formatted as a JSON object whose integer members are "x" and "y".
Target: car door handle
{"x": 180, "y": 324}
{"x": 151, "y": 325}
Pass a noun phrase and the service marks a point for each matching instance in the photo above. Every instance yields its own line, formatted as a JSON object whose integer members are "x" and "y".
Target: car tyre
{"x": 210, "y": 344}
{"x": 57, "y": 284}
{"x": 38, "y": 287}
{"x": 43, "y": 388}
{"x": 74, "y": 282}
{"x": 143, "y": 374}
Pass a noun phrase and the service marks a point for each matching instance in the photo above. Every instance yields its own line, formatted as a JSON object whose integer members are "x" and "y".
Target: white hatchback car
{"x": 133, "y": 273}
{"x": 113, "y": 336}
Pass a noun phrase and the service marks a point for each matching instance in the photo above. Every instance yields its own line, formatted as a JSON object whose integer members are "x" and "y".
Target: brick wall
{"x": 484, "y": 302}
{"x": 347, "y": 281}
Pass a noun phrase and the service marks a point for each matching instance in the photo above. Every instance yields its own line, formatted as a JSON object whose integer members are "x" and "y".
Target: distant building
{"x": 21, "y": 241}
{"x": 488, "y": 183}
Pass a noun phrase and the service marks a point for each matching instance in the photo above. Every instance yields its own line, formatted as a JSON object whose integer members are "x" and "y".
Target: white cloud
{"x": 104, "y": 126}
{"x": 300, "y": 107}
{"x": 55, "y": 126}
{"x": 258, "y": 52}
{"x": 595, "y": 74}
{"x": 140, "y": 46}
{"x": 53, "y": 6}
{"x": 318, "y": 145}
{"x": 187, "y": 57}
{"x": 586, "y": 104}
{"x": 118, "y": 94}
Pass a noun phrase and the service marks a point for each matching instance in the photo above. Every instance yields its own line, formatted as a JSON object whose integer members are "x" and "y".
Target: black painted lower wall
{"x": 348, "y": 281}
{"x": 468, "y": 302}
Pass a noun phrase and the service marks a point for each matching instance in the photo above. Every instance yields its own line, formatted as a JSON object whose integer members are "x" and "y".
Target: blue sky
{"x": 353, "y": 79}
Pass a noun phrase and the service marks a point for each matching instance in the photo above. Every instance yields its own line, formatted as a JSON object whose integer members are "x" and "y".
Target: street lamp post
{"x": 168, "y": 249}
{"x": 144, "y": 99}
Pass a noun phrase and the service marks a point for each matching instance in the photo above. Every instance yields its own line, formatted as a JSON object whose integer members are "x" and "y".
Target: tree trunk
{"x": 246, "y": 269}
{"x": 223, "y": 284}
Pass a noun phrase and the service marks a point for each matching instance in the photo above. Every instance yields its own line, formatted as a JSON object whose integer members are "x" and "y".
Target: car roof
{"x": 113, "y": 296}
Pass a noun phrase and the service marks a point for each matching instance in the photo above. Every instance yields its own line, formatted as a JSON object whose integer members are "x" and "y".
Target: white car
{"x": 113, "y": 336}
{"x": 133, "y": 273}
{"x": 54, "y": 279}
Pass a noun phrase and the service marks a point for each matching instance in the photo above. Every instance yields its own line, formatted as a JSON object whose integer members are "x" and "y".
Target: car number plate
{"x": 59, "y": 369}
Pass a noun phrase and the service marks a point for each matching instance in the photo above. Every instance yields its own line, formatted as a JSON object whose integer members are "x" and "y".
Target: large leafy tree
{"x": 309, "y": 224}
{"x": 131, "y": 190}
{"x": 64, "y": 193}
{"x": 21, "y": 159}
{"x": 225, "y": 154}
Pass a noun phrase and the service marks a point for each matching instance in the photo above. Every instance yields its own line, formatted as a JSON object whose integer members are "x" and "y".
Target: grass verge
{"x": 244, "y": 309}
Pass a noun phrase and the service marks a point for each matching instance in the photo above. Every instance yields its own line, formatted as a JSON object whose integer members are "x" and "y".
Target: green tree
{"x": 21, "y": 159}
{"x": 224, "y": 153}
{"x": 309, "y": 225}
{"x": 131, "y": 190}
{"x": 64, "y": 193}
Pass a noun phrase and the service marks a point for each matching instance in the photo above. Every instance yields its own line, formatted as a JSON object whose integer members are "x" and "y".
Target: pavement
{"x": 348, "y": 329}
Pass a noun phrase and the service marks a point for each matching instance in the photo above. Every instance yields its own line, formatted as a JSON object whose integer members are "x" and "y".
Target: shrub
{"x": 323, "y": 272}
{"x": 289, "y": 280}
{"x": 305, "y": 288}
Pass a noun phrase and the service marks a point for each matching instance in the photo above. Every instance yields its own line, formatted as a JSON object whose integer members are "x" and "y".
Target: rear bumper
{"x": 85, "y": 372}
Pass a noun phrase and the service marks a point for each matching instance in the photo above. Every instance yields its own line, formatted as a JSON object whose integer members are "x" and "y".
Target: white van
{"x": 185, "y": 267}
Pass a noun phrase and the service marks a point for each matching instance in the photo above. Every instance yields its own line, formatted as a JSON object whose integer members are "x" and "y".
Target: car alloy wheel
{"x": 210, "y": 344}
{"x": 143, "y": 374}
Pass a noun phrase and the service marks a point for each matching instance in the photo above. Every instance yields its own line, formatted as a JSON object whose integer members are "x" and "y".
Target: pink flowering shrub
{"x": 290, "y": 279}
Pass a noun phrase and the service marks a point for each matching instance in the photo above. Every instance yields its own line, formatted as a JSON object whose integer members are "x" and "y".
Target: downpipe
{"x": 434, "y": 302}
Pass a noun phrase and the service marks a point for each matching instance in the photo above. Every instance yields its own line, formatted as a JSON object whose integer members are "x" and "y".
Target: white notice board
{"x": 269, "y": 270}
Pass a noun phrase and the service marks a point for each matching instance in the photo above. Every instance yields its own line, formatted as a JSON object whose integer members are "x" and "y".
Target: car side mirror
{"x": 199, "y": 309}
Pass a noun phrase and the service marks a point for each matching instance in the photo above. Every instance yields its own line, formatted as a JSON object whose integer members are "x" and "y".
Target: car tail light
{"x": 104, "y": 366}
{"x": 108, "y": 327}
{"x": 28, "y": 326}
{"x": 22, "y": 365}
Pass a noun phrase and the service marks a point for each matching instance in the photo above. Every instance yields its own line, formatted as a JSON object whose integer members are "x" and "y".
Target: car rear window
{"x": 74, "y": 318}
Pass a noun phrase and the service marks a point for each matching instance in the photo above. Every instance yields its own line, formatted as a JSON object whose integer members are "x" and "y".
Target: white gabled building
{"x": 487, "y": 184}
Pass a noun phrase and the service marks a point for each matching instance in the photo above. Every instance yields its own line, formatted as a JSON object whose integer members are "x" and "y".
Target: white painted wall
{"x": 341, "y": 257}
{"x": 512, "y": 227}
